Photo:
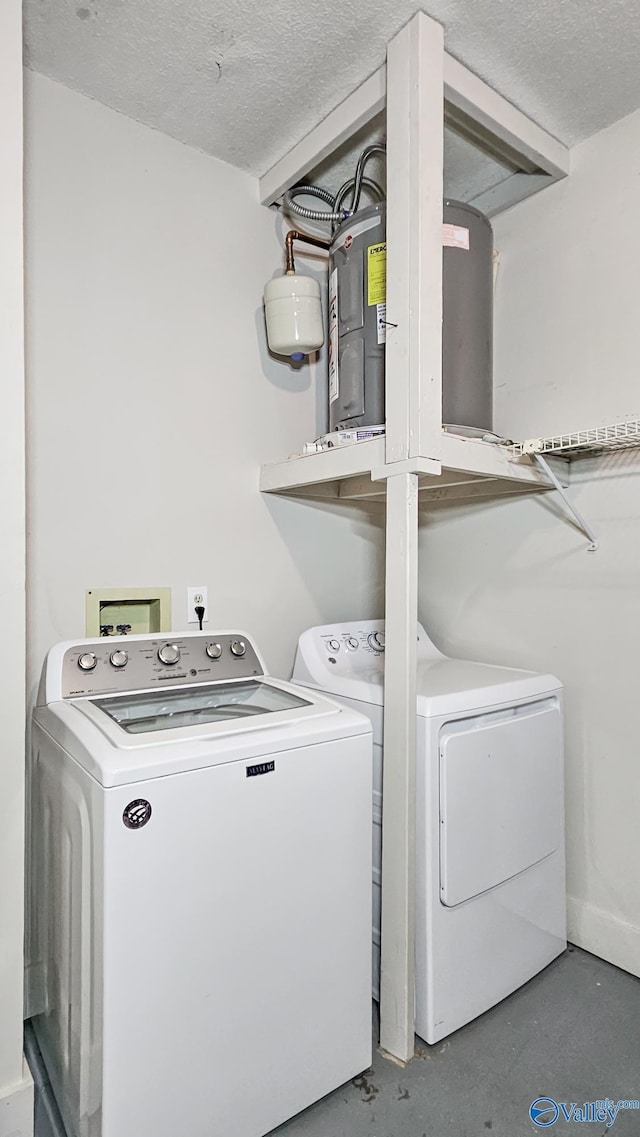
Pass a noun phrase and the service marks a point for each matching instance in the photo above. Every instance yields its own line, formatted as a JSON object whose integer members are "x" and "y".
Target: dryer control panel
{"x": 368, "y": 640}
{"x": 137, "y": 663}
{"x": 355, "y": 649}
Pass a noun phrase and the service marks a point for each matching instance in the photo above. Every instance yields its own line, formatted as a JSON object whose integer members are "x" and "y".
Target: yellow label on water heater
{"x": 376, "y": 274}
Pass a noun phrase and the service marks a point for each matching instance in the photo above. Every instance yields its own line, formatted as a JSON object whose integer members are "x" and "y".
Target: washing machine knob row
{"x": 168, "y": 653}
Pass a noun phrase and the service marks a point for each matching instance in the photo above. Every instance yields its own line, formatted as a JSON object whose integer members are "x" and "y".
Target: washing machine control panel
{"x": 113, "y": 665}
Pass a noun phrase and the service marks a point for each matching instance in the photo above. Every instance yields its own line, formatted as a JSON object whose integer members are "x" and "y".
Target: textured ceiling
{"x": 244, "y": 81}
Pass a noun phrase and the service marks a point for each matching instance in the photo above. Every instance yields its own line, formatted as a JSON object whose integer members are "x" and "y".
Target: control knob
{"x": 238, "y": 648}
{"x": 169, "y": 654}
{"x": 87, "y": 661}
{"x": 376, "y": 641}
{"x": 119, "y": 658}
{"x": 351, "y": 643}
{"x": 333, "y": 645}
{"x": 214, "y": 651}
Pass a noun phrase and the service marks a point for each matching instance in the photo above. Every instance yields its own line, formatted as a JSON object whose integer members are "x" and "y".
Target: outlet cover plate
{"x": 197, "y": 594}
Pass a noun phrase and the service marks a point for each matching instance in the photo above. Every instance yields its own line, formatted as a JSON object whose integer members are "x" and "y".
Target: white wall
{"x": 514, "y": 582}
{"x": 15, "y": 1088}
{"x": 151, "y": 398}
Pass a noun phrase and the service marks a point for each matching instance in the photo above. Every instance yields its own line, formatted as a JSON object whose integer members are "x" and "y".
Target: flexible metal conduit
{"x": 337, "y": 211}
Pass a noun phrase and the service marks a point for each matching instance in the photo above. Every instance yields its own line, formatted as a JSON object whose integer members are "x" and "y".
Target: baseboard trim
{"x": 16, "y": 1107}
{"x": 604, "y": 935}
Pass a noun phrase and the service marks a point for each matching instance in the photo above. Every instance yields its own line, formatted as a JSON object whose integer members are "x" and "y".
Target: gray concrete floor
{"x": 572, "y": 1033}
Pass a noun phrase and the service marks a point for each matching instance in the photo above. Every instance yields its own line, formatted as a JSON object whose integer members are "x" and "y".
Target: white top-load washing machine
{"x": 200, "y": 879}
{"x": 490, "y": 866}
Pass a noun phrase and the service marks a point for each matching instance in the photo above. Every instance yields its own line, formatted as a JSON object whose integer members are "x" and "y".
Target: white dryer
{"x": 201, "y": 909}
{"x": 490, "y": 868}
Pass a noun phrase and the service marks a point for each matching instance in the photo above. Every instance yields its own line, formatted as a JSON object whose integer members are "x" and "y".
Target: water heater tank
{"x": 467, "y": 317}
{"x": 357, "y": 332}
{"x": 357, "y": 319}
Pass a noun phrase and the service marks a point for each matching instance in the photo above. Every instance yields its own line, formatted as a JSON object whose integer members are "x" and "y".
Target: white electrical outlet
{"x": 197, "y": 596}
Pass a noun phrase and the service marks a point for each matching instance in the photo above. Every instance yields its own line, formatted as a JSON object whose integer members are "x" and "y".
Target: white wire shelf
{"x": 619, "y": 436}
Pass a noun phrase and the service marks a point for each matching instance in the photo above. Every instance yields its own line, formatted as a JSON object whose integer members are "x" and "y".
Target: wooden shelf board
{"x": 471, "y": 469}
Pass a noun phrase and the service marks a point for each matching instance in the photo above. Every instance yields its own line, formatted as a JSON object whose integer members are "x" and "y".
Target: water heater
{"x": 357, "y": 323}
{"x": 467, "y": 317}
{"x": 357, "y": 319}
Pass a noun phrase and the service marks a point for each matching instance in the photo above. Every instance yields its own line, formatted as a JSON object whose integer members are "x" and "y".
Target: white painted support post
{"x": 415, "y": 85}
{"x": 397, "y": 1011}
{"x": 415, "y": 132}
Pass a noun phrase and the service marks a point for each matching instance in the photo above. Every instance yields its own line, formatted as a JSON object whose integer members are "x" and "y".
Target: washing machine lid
{"x": 150, "y": 711}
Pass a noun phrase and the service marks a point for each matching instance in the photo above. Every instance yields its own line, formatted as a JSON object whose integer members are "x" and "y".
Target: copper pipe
{"x": 292, "y": 236}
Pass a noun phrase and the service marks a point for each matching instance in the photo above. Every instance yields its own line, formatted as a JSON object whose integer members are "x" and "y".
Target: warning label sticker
{"x": 381, "y": 320}
{"x": 377, "y": 275}
{"x": 455, "y": 236}
{"x": 334, "y": 387}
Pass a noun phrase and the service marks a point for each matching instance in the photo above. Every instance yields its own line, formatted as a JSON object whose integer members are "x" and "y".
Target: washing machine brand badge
{"x": 136, "y": 813}
{"x": 260, "y": 768}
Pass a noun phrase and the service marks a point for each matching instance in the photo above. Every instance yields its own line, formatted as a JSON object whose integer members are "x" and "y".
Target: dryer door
{"x": 501, "y": 797}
